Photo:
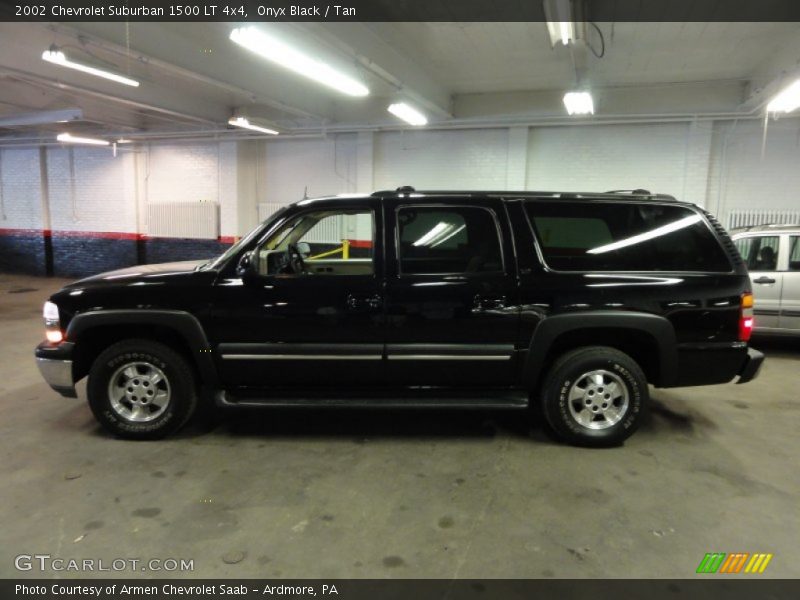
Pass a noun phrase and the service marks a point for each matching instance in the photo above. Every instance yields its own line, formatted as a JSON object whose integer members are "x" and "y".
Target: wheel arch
{"x": 649, "y": 339}
{"x": 93, "y": 331}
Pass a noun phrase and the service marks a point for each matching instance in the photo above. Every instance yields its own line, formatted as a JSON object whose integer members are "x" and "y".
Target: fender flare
{"x": 550, "y": 328}
{"x": 181, "y": 322}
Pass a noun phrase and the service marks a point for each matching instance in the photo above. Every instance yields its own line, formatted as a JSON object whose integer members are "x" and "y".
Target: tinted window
{"x": 760, "y": 253}
{"x": 623, "y": 236}
{"x": 448, "y": 240}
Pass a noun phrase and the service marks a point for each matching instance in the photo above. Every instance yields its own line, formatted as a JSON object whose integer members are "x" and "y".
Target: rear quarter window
{"x": 624, "y": 236}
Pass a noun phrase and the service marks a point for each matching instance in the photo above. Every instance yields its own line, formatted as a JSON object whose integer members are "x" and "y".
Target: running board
{"x": 490, "y": 399}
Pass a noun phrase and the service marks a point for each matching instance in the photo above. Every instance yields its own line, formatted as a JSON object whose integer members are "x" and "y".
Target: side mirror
{"x": 246, "y": 267}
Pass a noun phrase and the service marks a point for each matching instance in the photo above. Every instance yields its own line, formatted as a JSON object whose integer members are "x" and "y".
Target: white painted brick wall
{"x": 747, "y": 180}
{"x": 19, "y": 187}
{"x": 608, "y": 157}
{"x": 324, "y": 166}
{"x": 456, "y": 160}
{"x": 183, "y": 173}
{"x": 678, "y": 158}
{"x": 102, "y": 200}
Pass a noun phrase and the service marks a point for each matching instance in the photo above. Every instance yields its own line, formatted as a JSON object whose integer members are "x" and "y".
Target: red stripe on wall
{"x": 360, "y": 243}
{"x": 109, "y": 235}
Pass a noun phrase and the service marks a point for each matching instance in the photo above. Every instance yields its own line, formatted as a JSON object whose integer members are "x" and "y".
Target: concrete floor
{"x": 358, "y": 494}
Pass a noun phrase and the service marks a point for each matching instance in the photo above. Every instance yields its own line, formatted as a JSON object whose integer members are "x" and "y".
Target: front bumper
{"x": 55, "y": 365}
{"x": 751, "y": 366}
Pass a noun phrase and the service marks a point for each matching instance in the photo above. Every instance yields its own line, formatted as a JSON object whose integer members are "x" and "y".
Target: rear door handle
{"x": 764, "y": 280}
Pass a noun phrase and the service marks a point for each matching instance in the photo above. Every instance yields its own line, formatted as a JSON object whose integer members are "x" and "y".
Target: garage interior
{"x": 172, "y": 169}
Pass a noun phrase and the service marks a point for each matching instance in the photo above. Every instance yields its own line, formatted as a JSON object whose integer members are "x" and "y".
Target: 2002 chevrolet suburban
{"x": 569, "y": 303}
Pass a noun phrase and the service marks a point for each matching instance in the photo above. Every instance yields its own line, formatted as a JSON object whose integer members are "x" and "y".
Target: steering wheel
{"x": 294, "y": 259}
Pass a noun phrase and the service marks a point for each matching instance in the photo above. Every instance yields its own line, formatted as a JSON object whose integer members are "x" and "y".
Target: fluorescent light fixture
{"x": 560, "y": 19}
{"x": 410, "y": 115}
{"x": 124, "y": 141}
{"x": 647, "y": 235}
{"x": 561, "y": 31}
{"x": 579, "y": 103}
{"x": 72, "y": 139}
{"x": 269, "y": 47}
{"x": 55, "y": 56}
{"x": 245, "y": 124}
{"x": 787, "y": 100}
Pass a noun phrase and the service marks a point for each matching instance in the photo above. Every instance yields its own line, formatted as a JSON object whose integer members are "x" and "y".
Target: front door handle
{"x": 357, "y": 302}
{"x": 763, "y": 280}
{"x": 482, "y": 303}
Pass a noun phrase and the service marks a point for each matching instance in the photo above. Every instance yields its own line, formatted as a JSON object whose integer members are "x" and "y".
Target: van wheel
{"x": 594, "y": 396}
{"x": 142, "y": 390}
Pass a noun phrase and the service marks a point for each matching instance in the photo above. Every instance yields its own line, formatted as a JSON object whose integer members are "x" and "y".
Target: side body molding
{"x": 181, "y": 322}
{"x": 550, "y": 328}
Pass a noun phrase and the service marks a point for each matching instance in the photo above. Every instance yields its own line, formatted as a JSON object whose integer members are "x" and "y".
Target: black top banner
{"x": 393, "y": 10}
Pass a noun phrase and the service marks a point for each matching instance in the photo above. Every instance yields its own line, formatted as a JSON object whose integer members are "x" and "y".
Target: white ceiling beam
{"x": 42, "y": 117}
{"x": 772, "y": 75}
{"x": 385, "y": 61}
{"x": 21, "y": 47}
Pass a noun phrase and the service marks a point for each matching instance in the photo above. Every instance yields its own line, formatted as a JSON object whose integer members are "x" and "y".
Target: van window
{"x": 760, "y": 253}
{"x": 437, "y": 240}
{"x": 794, "y": 253}
{"x": 624, "y": 236}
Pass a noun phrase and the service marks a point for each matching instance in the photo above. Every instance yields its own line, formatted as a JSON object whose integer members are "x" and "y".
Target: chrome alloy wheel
{"x": 598, "y": 399}
{"x": 139, "y": 391}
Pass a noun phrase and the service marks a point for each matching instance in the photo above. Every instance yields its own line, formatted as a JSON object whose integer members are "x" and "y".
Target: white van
{"x": 772, "y": 254}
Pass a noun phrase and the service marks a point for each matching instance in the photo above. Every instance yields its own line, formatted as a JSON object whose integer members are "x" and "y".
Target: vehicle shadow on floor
{"x": 781, "y": 346}
{"x": 363, "y": 424}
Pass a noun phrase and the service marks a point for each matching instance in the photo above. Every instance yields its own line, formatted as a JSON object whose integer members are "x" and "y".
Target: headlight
{"x": 52, "y": 323}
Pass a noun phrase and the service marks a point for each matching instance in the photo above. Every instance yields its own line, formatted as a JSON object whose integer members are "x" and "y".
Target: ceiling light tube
{"x": 276, "y": 51}
{"x": 579, "y": 103}
{"x": 410, "y": 115}
{"x": 55, "y": 56}
{"x": 72, "y": 139}
{"x": 787, "y": 100}
{"x": 245, "y": 124}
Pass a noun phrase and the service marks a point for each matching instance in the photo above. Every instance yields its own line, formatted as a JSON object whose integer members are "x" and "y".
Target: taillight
{"x": 746, "y": 318}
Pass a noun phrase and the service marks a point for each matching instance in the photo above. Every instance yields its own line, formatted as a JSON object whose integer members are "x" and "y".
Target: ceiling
{"x": 193, "y": 78}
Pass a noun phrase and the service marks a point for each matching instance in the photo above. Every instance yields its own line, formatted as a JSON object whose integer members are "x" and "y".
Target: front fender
{"x": 181, "y": 322}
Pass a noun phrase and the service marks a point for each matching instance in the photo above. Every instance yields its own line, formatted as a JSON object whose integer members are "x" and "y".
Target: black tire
{"x": 178, "y": 381}
{"x": 584, "y": 427}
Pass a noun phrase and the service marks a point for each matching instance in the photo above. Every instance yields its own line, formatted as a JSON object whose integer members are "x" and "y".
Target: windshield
{"x": 254, "y": 233}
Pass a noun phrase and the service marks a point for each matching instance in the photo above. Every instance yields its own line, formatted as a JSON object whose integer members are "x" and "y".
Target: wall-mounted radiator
{"x": 199, "y": 220}
{"x": 747, "y": 218}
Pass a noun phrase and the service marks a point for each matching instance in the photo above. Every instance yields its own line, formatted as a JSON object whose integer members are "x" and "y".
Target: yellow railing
{"x": 344, "y": 249}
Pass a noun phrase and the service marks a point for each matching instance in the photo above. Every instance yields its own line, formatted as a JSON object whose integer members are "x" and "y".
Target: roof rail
{"x": 636, "y": 192}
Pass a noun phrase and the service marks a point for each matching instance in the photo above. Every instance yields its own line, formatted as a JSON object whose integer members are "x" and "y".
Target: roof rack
{"x": 636, "y": 192}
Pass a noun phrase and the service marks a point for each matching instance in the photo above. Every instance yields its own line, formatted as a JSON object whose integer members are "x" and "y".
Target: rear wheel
{"x": 594, "y": 396}
{"x": 141, "y": 389}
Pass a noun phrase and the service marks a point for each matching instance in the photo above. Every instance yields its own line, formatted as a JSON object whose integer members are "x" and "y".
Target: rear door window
{"x": 624, "y": 236}
{"x": 794, "y": 253}
{"x": 439, "y": 240}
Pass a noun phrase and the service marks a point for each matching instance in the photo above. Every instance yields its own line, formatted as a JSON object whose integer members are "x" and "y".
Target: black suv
{"x": 568, "y": 303}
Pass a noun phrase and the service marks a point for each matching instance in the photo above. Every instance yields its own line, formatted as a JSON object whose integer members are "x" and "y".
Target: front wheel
{"x": 141, "y": 389}
{"x": 594, "y": 396}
